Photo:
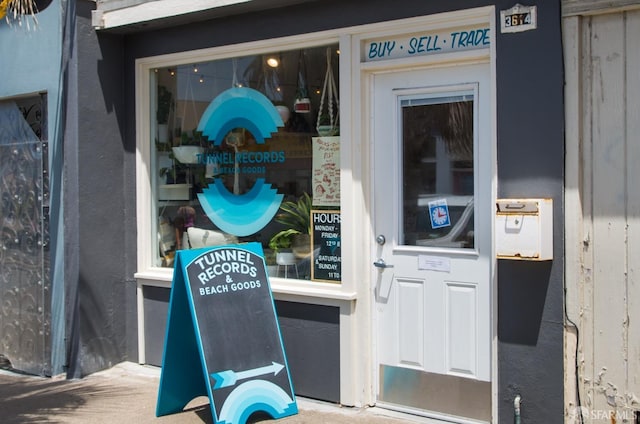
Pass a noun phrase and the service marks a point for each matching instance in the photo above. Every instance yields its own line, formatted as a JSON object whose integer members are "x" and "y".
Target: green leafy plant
{"x": 18, "y": 10}
{"x": 296, "y": 216}
{"x": 282, "y": 240}
{"x": 163, "y": 147}
{"x": 326, "y": 127}
{"x": 194, "y": 139}
{"x": 174, "y": 172}
{"x": 324, "y": 119}
{"x": 165, "y": 104}
{"x": 171, "y": 174}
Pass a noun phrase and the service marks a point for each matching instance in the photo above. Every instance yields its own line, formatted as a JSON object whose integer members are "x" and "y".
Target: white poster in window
{"x": 326, "y": 171}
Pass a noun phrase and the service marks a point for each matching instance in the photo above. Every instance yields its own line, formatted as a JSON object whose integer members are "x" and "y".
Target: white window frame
{"x": 147, "y": 272}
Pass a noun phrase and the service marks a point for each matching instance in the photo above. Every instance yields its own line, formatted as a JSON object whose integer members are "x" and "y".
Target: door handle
{"x": 380, "y": 263}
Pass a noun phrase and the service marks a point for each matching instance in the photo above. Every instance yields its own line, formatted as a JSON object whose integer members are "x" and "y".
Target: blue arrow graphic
{"x": 229, "y": 377}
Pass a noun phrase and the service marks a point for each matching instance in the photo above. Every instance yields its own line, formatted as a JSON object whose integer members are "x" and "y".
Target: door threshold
{"x": 419, "y": 415}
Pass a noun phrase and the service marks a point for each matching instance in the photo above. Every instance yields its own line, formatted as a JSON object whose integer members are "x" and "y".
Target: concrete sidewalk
{"x": 127, "y": 394}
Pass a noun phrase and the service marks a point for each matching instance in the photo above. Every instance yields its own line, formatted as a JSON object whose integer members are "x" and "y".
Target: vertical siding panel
{"x": 573, "y": 212}
{"x": 609, "y": 207}
{"x": 633, "y": 195}
{"x": 586, "y": 342}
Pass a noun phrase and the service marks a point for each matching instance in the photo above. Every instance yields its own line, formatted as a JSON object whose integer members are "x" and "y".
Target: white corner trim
{"x": 152, "y": 10}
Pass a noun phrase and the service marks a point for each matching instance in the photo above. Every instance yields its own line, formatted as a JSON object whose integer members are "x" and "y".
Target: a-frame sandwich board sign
{"x": 223, "y": 340}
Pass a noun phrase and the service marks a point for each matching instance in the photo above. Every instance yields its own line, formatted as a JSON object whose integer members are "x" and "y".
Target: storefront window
{"x": 247, "y": 149}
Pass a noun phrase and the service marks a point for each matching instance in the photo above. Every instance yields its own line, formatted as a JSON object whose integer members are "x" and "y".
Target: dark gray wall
{"x": 530, "y": 163}
{"x": 156, "y": 307}
{"x": 99, "y": 206}
{"x": 311, "y": 339}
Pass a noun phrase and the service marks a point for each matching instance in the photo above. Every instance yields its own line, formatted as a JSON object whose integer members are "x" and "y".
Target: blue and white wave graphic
{"x": 253, "y": 396}
{"x": 240, "y": 107}
{"x": 245, "y": 214}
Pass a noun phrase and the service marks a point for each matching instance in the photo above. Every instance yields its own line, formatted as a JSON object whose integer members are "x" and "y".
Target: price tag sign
{"x": 519, "y": 18}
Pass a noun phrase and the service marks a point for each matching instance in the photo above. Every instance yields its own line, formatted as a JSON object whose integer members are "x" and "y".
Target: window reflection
{"x": 186, "y": 162}
{"x": 438, "y": 179}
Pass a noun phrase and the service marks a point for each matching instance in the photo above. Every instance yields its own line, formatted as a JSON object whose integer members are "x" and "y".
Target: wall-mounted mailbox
{"x": 524, "y": 229}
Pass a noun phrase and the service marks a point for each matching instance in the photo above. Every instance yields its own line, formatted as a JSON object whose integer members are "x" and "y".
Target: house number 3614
{"x": 518, "y": 18}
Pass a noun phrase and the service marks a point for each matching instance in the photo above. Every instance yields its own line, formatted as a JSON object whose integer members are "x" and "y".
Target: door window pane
{"x": 437, "y": 177}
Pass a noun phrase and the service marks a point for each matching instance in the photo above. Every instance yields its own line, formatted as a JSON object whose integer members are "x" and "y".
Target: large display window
{"x": 247, "y": 148}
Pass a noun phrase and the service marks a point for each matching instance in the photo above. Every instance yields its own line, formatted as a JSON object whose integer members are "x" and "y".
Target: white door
{"x": 432, "y": 190}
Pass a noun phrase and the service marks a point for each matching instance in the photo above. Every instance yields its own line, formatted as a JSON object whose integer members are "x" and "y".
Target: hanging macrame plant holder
{"x": 302, "y": 104}
{"x": 327, "y": 123}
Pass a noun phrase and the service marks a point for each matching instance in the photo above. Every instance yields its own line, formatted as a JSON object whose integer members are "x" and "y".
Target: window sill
{"x": 281, "y": 287}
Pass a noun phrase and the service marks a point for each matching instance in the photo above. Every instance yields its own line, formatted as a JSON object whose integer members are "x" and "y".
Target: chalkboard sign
{"x": 223, "y": 338}
{"x": 325, "y": 239}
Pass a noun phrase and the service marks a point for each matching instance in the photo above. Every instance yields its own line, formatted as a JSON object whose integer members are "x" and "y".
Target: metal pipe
{"x": 516, "y": 409}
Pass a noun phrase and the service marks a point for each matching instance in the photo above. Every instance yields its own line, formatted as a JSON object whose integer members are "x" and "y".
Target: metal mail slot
{"x": 517, "y": 206}
{"x": 524, "y": 229}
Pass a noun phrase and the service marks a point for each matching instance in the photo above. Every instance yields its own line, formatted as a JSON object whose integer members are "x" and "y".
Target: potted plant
{"x": 174, "y": 186}
{"x": 191, "y": 146}
{"x": 296, "y": 216}
{"x": 270, "y": 260}
{"x": 165, "y": 104}
{"x": 328, "y": 120}
{"x": 281, "y": 241}
{"x": 18, "y": 10}
{"x": 281, "y": 244}
{"x": 326, "y": 127}
{"x": 170, "y": 174}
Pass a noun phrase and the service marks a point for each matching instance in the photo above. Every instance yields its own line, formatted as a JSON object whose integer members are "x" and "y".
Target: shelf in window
{"x": 174, "y": 192}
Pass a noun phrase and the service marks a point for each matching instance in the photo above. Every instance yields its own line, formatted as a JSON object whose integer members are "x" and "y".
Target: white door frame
{"x": 424, "y": 358}
{"x": 362, "y": 157}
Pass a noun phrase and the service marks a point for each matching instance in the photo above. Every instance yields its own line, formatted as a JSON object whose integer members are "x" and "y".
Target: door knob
{"x": 381, "y": 240}
{"x": 380, "y": 263}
